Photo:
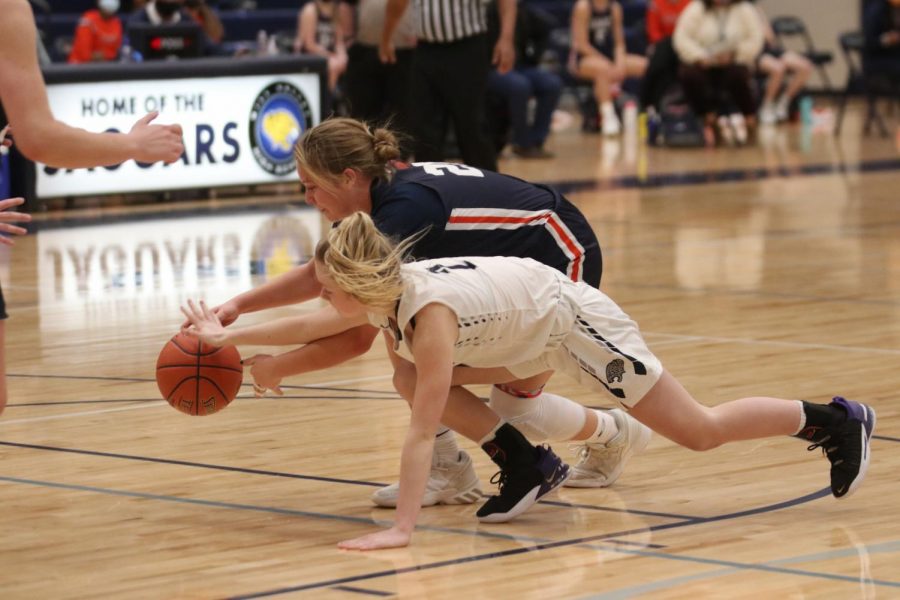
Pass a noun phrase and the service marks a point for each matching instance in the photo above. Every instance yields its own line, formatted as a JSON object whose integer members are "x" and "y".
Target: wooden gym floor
{"x": 768, "y": 270}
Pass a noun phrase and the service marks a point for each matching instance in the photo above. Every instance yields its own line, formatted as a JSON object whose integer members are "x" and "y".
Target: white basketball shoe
{"x": 599, "y": 465}
{"x": 448, "y": 483}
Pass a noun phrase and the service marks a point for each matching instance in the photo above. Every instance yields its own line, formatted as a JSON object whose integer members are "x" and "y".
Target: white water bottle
{"x": 630, "y": 117}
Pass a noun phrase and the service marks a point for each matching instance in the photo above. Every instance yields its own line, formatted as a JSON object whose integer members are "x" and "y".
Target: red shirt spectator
{"x": 661, "y": 18}
{"x": 98, "y": 37}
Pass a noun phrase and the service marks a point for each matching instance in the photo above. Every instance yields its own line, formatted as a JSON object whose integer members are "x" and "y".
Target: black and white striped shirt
{"x": 441, "y": 21}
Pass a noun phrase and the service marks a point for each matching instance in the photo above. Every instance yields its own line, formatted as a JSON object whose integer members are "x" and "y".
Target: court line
{"x": 244, "y": 398}
{"x": 717, "y": 291}
{"x": 268, "y": 473}
{"x": 677, "y": 337}
{"x": 348, "y": 588}
{"x": 659, "y": 180}
{"x": 76, "y": 414}
{"x": 301, "y": 513}
{"x": 314, "y": 386}
{"x": 771, "y": 566}
{"x": 477, "y": 533}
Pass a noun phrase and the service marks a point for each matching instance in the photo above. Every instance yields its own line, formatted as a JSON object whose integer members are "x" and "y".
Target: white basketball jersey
{"x": 508, "y": 309}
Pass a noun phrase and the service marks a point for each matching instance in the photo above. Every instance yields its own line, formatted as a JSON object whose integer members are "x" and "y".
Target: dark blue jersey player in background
{"x": 348, "y": 168}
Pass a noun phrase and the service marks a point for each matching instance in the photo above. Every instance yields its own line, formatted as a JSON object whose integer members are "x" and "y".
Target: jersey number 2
{"x": 437, "y": 168}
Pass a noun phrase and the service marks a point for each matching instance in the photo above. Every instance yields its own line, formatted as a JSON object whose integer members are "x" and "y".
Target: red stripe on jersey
{"x": 550, "y": 219}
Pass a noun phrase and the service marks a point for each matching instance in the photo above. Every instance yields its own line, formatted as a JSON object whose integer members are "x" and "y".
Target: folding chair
{"x": 852, "y": 44}
{"x": 793, "y": 27}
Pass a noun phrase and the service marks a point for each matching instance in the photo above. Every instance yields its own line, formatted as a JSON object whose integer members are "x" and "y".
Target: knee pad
{"x": 543, "y": 417}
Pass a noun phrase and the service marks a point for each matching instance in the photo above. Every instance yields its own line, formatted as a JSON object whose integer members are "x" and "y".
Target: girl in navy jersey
{"x": 511, "y": 318}
{"x": 348, "y": 168}
{"x": 599, "y": 54}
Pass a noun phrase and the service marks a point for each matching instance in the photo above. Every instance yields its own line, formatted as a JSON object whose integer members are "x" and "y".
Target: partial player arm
{"x": 39, "y": 135}
{"x": 7, "y": 217}
{"x": 297, "y": 285}
{"x": 207, "y": 326}
{"x": 268, "y": 371}
{"x": 432, "y": 347}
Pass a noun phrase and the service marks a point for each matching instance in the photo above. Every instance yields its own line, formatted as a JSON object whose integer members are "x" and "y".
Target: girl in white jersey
{"x": 512, "y": 318}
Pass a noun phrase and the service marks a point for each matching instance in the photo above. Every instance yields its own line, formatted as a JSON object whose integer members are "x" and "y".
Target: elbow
{"x": 360, "y": 340}
{"x": 28, "y": 144}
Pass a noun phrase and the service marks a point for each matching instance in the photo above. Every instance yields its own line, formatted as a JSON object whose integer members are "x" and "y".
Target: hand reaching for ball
{"x": 204, "y": 324}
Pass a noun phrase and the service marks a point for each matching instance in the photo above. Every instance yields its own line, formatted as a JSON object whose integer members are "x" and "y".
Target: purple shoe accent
{"x": 858, "y": 412}
{"x": 554, "y": 470}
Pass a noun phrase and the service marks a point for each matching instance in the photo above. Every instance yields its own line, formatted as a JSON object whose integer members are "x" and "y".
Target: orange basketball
{"x": 197, "y": 378}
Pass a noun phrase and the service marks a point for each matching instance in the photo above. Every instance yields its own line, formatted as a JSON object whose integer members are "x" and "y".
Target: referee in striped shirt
{"x": 450, "y": 71}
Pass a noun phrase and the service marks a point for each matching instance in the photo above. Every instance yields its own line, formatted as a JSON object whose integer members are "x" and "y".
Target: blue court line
{"x": 724, "y": 176}
{"x": 347, "y": 588}
{"x": 567, "y": 186}
{"x": 148, "y": 400}
{"x": 479, "y": 533}
{"x": 185, "y": 463}
{"x": 771, "y": 567}
{"x": 148, "y": 380}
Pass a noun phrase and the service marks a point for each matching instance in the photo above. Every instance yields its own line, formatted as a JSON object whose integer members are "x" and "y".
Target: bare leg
{"x": 774, "y": 70}
{"x": 800, "y": 69}
{"x": 597, "y": 69}
{"x": 671, "y": 411}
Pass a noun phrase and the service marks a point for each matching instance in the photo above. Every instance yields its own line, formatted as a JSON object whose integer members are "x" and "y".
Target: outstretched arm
{"x": 435, "y": 336}
{"x": 206, "y": 325}
{"x": 39, "y": 135}
{"x": 268, "y": 371}
{"x": 297, "y": 285}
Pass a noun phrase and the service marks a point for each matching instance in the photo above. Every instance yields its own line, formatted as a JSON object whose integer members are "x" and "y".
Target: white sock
{"x": 802, "y": 417}
{"x": 445, "y": 445}
{"x": 606, "y": 428}
{"x": 491, "y": 434}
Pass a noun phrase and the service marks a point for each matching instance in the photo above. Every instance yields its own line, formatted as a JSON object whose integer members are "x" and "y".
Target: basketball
{"x": 196, "y": 378}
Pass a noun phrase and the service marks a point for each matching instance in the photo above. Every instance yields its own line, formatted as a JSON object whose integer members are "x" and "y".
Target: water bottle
{"x": 806, "y": 111}
{"x": 125, "y": 50}
{"x": 630, "y": 117}
{"x": 262, "y": 42}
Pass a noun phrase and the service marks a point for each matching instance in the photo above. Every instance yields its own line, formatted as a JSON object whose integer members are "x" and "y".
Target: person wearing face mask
{"x": 98, "y": 35}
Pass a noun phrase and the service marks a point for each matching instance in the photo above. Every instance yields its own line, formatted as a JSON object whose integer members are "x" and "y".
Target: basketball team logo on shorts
{"x": 280, "y": 115}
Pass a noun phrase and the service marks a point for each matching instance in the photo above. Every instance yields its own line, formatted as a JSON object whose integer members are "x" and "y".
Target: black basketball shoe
{"x": 523, "y": 485}
{"x": 846, "y": 445}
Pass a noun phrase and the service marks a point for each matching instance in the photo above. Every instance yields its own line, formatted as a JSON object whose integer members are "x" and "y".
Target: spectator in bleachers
{"x": 319, "y": 31}
{"x": 160, "y": 12}
{"x": 775, "y": 62}
{"x": 378, "y": 92}
{"x": 208, "y": 19}
{"x": 881, "y": 27}
{"x": 167, "y": 12}
{"x": 662, "y": 66}
{"x": 599, "y": 54}
{"x": 527, "y": 80}
{"x": 98, "y": 35}
{"x": 717, "y": 42}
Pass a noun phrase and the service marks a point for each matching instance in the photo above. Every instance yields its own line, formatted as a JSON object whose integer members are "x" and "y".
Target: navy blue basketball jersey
{"x": 472, "y": 212}
{"x": 600, "y": 31}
